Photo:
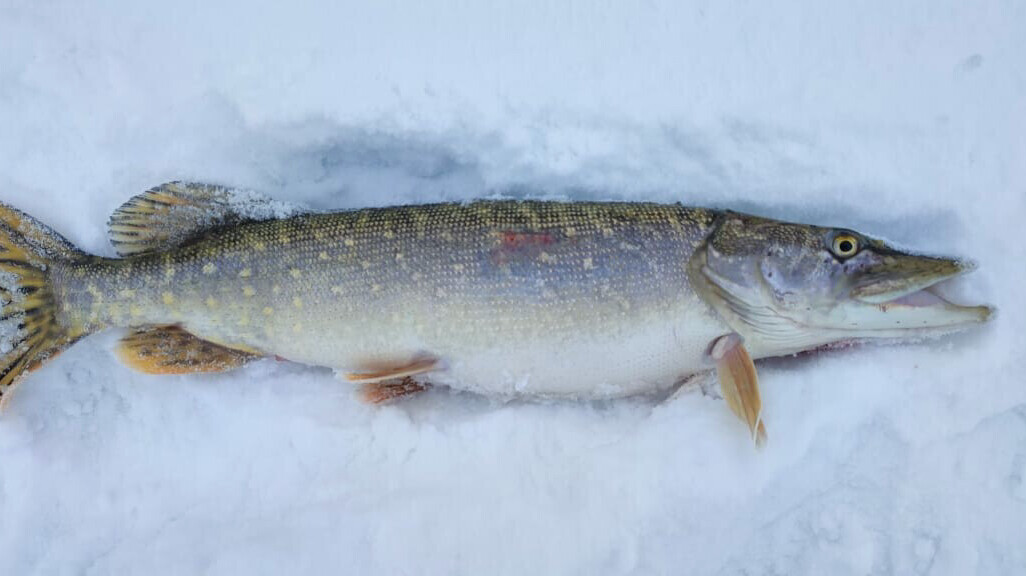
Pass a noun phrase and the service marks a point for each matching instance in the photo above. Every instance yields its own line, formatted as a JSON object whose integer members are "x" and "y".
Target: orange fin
{"x": 172, "y": 350}
{"x": 390, "y": 390}
{"x": 381, "y": 372}
{"x": 739, "y": 383}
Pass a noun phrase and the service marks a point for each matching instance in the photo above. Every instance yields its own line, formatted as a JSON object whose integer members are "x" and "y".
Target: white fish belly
{"x": 587, "y": 358}
{"x": 638, "y": 360}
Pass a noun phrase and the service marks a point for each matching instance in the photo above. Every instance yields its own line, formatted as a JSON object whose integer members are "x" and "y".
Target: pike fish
{"x": 507, "y": 298}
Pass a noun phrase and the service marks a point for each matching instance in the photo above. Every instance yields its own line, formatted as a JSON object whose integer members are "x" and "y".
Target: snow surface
{"x": 905, "y": 120}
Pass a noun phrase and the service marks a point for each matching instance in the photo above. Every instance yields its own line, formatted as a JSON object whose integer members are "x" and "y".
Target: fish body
{"x": 506, "y": 298}
{"x": 514, "y": 298}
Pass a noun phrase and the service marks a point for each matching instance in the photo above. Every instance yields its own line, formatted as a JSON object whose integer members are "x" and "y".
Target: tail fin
{"x": 29, "y": 331}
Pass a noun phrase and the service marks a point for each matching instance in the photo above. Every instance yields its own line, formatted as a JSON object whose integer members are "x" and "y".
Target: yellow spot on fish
{"x": 248, "y": 291}
{"x": 365, "y": 264}
{"x": 458, "y": 267}
{"x": 546, "y": 257}
{"x": 297, "y": 327}
{"x": 268, "y": 311}
{"x": 296, "y": 273}
{"x": 349, "y": 242}
{"x": 607, "y": 232}
{"x": 297, "y": 302}
{"x": 244, "y": 321}
{"x": 209, "y": 268}
{"x": 275, "y": 289}
{"x": 169, "y": 272}
{"x": 168, "y": 298}
{"x": 336, "y": 290}
{"x": 135, "y": 311}
{"x": 323, "y": 255}
{"x": 259, "y": 245}
{"x": 127, "y": 294}
{"x": 245, "y": 273}
{"x": 570, "y": 231}
{"x": 389, "y": 234}
{"x": 211, "y": 303}
{"x": 589, "y": 264}
{"x": 399, "y": 257}
{"x": 376, "y": 288}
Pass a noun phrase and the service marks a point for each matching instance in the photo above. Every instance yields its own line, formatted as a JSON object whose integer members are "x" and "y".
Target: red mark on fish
{"x": 516, "y": 244}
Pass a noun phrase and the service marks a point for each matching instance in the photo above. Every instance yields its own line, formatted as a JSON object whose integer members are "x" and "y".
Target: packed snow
{"x": 902, "y": 120}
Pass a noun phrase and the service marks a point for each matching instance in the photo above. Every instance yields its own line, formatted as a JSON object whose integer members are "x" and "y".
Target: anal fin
{"x": 390, "y": 390}
{"x": 172, "y": 350}
{"x": 739, "y": 383}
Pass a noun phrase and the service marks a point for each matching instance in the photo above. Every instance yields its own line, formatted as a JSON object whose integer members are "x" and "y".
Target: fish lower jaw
{"x": 928, "y": 308}
{"x": 880, "y": 324}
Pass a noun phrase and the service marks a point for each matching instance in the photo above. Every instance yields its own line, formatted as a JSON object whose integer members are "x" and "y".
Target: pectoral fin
{"x": 172, "y": 350}
{"x": 381, "y": 371}
{"x": 739, "y": 383}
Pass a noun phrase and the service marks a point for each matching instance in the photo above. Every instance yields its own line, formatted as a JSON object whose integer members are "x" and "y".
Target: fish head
{"x": 793, "y": 287}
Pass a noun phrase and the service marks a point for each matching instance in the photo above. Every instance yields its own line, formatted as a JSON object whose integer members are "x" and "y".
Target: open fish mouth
{"x": 926, "y": 308}
{"x": 904, "y": 295}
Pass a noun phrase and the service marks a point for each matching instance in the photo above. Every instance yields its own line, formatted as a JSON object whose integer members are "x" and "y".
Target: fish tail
{"x": 30, "y": 332}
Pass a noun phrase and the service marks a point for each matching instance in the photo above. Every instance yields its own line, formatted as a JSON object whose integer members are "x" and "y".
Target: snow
{"x": 10, "y": 334}
{"x": 255, "y": 206}
{"x": 901, "y": 120}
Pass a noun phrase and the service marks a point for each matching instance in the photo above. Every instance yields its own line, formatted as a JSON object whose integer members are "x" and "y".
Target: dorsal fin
{"x": 173, "y": 213}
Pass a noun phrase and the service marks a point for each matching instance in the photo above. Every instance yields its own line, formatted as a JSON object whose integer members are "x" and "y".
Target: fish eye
{"x": 845, "y": 245}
